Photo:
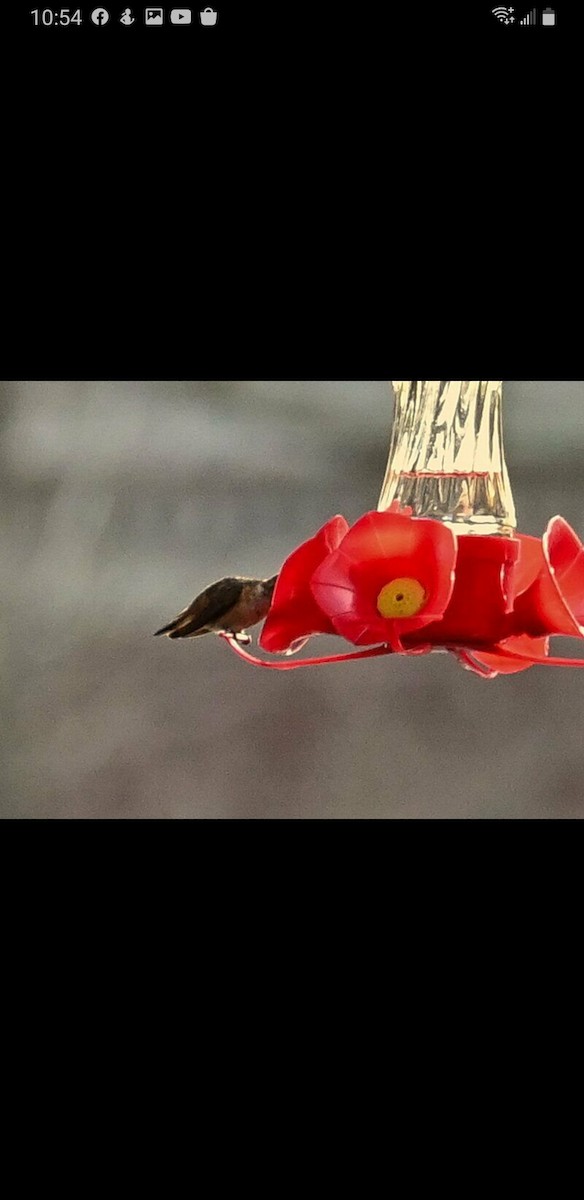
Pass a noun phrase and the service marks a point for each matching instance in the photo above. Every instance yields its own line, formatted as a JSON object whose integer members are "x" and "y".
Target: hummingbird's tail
{"x": 180, "y": 628}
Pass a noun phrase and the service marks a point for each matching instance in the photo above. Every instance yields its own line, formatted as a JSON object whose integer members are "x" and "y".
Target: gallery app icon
{"x": 180, "y": 16}
{"x": 153, "y": 16}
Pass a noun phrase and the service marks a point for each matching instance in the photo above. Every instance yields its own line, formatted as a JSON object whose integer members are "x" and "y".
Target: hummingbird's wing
{"x": 207, "y": 609}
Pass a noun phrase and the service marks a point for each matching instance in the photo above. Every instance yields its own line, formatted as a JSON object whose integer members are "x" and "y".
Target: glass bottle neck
{"x": 446, "y": 458}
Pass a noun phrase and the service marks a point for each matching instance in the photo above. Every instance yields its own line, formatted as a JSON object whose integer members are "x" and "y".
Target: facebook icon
{"x": 100, "y": 16}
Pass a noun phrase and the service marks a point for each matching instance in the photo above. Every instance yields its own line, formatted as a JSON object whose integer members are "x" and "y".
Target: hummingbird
{"x": 227, "y": 607}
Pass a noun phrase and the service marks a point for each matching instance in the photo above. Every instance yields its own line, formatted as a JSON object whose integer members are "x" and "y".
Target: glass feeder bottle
{"x": 446, "y": 457}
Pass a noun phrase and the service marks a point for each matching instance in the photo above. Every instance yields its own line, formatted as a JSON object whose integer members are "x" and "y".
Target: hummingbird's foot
{"x": 242, "y": 638}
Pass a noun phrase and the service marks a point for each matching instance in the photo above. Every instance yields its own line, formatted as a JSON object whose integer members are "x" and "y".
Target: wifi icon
{"x": 503, "y": 14}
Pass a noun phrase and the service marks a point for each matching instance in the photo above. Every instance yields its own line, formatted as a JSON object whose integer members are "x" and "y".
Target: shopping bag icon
{"x": 208, "y": 17}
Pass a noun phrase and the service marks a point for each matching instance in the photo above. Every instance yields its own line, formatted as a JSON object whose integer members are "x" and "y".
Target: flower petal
{"x": 467, "y": 660}
{"x": 529, "y": 564}
{"x": 293, "y": 613}
{"x": 554, "y": 603}
{"x": 499, "y": 662}
{"x": 535, "y": 659}
{"x": 564, "y": 555}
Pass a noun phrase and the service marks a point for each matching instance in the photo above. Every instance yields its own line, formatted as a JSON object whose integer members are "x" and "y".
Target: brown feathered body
{"x": 228, "y": 606}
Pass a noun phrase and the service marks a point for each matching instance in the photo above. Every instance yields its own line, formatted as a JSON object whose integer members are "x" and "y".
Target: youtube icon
{"x": 180, "y": 16}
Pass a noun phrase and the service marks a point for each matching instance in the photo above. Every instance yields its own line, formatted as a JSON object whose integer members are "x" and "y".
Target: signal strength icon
{"x": 530, "y": 18}
{"x": 503, "y": 14}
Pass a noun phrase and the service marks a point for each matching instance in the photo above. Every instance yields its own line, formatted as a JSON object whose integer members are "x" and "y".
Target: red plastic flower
{"x": 412, "y": 585}
{"x": 391, "y": 575}
{"x": 548, "y": 600}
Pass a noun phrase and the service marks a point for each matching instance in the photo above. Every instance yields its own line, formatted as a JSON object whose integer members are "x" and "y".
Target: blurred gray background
{"x": 121, "y": 500}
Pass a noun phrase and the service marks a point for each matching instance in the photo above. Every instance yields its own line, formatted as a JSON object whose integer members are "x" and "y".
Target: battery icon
{"x": 548, "y": 17}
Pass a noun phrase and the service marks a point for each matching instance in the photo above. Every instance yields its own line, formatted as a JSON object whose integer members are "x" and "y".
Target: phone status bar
{"x": 266, "y": 18}
{"x": 102, "y": 17}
